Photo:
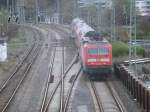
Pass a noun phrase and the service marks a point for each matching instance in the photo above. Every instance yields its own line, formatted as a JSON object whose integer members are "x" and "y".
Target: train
{"x": 95, "y": 52}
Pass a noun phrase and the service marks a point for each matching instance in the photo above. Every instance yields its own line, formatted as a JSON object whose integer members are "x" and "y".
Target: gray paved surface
{"x": 82, "y": 100}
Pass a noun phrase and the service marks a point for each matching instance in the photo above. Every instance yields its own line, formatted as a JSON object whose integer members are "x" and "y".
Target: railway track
{"x": 10, "y": 87}
{"x": 49, "y": 79}
{"x": 61, "y": 89}
{"x": 19, "y": 64}
{"x": 62, "y": 82}
{"x": 67, "y": 99}
{"x": 47, "y": 100}
{"x": 106, "y": 98}
{"x": 59, "y": 86}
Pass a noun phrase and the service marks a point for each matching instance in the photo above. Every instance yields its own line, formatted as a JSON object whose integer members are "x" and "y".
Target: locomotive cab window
{"x": 103, "y": 51}
{"x": 98, "y": 51}
{"x": 93, "y": 51}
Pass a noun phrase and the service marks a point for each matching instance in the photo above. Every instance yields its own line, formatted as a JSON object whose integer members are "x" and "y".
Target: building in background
{"x": 104, "y": 3}
{"x": 143, "y": 7}
{"x": 101, "y": 3}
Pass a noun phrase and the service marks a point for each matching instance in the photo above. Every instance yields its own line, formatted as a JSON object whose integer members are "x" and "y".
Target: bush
{"x": 119, "y": 49}
{"x": 146, "y": 37}
{"x": 122, "y": 49}
{"x": 140, "y": 51}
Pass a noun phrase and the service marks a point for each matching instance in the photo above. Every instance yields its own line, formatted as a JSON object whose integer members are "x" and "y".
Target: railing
{"x": 138, "y": 89}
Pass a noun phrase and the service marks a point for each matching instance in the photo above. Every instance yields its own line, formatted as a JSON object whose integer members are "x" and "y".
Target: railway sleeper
{"x": 72, "y": 78}
{"x": 51, "y": 79}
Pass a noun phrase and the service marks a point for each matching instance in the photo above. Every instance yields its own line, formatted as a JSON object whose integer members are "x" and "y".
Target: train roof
{"x": 94, "y": 41}
{"x": 76, "y": 20}
{"x": 87, "y": 33}
{"x": 85, "y": 29}
{"x": 81, "y": 25}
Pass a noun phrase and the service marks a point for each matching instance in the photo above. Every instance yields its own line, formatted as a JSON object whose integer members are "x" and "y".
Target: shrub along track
{"x": 10, "y": 87}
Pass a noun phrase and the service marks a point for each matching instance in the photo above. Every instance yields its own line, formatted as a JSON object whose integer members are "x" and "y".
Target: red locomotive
{"x": 95, "y": 52}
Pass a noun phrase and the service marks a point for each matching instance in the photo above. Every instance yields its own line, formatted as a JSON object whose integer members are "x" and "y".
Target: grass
{"x": 5, "y": 66}
{"x": 146, "y": 37}
{"x": 121, "y": 49}
{"x": 18, "y": 39}
{"x": 14, "y": 43}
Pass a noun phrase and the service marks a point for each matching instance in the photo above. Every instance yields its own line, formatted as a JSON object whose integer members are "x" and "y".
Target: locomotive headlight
{"x": 91, "y": 60}
{"x": 105, "y": 60}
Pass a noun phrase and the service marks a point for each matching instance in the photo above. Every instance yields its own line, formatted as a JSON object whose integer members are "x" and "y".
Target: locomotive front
{"x": 97, "y": 58}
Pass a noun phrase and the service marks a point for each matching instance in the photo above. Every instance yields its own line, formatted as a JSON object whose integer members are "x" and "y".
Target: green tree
{"x": 122, "y": 11}
{"x": 144, "y": 26}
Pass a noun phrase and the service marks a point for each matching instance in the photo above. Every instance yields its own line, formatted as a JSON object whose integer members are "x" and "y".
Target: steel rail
{"x": 113, "y": 94}
{"x": 97, "y": 97}
{"x": 70, "y": 91}
{"x": 20, "y": 82}
{"x": 137, "y": 61}
{"x": 118, "y": 103}
{"x": 58, "y": 84}
{"x": 62, "y": 83}
{"x": 48, "y": 80}
{"x": 29, "y": 59}
{"x": 18, "y": 66}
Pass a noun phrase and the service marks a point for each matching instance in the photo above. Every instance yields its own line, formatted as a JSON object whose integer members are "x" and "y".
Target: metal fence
{"x": 138, "y": 89}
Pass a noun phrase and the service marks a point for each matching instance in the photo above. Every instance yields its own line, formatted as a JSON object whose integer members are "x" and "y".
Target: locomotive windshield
{"x": 103, "y": 51}
{"x": 98, "y": 51}
{"x": 93, "y": 51}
